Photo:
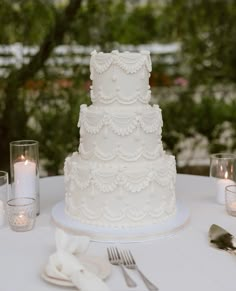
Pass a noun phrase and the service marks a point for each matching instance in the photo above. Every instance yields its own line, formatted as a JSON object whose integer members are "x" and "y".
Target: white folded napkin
{"x": 64, "y": 264}
{"x": 70, "y": 243}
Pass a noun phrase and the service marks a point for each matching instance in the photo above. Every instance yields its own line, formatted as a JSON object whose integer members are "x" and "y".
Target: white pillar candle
{"x": 220, "y": 189}
{"x": 25, "y": 178}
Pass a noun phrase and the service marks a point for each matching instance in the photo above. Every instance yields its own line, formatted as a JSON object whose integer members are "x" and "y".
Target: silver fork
{"x": 115, "y": 259}
{"x": 130, "y": 263}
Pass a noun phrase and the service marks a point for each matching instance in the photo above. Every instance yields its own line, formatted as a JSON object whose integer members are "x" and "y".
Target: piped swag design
{"x": 130, "y": 63}
{"x": 122, "y": 125}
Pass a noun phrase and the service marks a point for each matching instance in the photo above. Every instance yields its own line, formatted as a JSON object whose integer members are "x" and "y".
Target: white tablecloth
{"x": 181, "y": 262}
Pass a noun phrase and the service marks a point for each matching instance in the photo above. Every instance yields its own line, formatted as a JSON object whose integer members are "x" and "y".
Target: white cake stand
{"x": 134, "y": 234}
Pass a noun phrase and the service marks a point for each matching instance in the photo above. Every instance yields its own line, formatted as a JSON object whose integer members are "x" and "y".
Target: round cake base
{"x": 134, "y": 234}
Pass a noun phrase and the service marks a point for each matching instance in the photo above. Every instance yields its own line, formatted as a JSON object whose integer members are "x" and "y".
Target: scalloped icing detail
{"x": 120, "y": 124}
{"x": 108, "y": 181}
{"x": 130, "y": 63}
{"x": 71, "y": 169}
{"x": 138, "y": 97}
{"x": 88, "y": 213}
{"x": 119, "y": 153}
{"x": 127, "y": 217}
{"x": 108, "y": 215}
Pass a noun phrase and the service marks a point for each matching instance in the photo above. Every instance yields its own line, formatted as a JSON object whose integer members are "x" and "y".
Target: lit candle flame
{"x": 22, "y": 157}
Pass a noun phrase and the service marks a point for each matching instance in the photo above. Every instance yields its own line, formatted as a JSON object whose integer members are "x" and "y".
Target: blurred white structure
{"x": 17, "y": 54}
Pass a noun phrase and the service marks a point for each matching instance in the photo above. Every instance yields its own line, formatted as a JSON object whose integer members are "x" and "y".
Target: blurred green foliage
{"x": 46, "y": 107}
{"x": 185, "y": 118}
{"x": 54, "y": 125}
{"x": 25, "y": 21}
{"x": 207, "y": 31}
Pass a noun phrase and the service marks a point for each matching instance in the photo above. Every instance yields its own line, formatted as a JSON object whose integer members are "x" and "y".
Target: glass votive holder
{"x": 21, "y": 213}
{"x": 3, "y": 196}
{"x": 223, "y": 173}
{"x": 230, "y": 199}
{"x": 24, "y": 166}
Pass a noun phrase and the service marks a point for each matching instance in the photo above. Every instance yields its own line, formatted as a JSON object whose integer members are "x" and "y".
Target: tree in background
{"x": 14, "y": 117}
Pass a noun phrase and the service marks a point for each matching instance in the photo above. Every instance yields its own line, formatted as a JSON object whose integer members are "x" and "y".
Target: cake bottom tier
{"x": 120, "y": 196}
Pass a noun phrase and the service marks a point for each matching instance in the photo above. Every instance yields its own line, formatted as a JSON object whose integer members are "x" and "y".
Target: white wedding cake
{"x": 120, "y": 177}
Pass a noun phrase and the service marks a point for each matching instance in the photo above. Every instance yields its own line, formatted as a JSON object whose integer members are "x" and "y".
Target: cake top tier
{"x": 129, "y": 62}
{"x": 120, "y": 78}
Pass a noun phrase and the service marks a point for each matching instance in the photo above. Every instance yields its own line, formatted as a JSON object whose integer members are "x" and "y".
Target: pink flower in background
{"x": 180, "y": 81}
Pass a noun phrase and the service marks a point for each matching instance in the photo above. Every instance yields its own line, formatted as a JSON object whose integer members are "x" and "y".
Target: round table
{"x": 183, "y": 261}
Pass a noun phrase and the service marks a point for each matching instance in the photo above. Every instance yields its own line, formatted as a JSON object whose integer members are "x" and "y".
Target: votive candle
{"x": 221, "y": 184}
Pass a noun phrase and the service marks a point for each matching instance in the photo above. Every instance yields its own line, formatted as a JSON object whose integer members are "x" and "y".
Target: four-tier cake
{"x": 121, "y": 176}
